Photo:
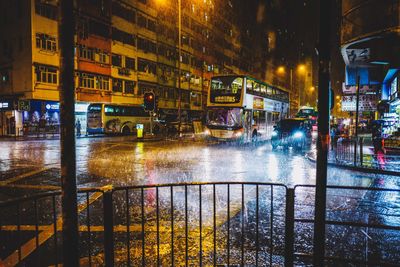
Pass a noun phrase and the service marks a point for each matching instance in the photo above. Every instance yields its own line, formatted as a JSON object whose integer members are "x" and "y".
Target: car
{"x": 291, "y": 133}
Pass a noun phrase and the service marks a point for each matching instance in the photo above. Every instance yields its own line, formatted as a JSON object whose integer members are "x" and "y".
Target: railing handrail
{"x": 345, "y": 187}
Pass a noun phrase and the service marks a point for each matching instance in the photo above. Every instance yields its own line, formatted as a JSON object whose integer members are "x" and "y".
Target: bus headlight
{"x": 238, "y": 133}
{"x": 298, "y": 135}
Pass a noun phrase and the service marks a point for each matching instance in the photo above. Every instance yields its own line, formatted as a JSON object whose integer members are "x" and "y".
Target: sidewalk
{"x": 382, "y": 163}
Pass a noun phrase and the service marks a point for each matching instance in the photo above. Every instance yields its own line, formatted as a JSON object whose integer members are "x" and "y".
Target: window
{"x": 116, "y": 60}
{"x": 185, "y": 96}
{"x": 4, "y": 77}
{"x": 123, "y": 37}
{"x": 151, "y": 25}
{"x": 147, "y": 66}
{"x": 98, "y": 28}
{"x": 102, "y": 83}
{"x": 123, "y": 12}
{"x": 45, "y": 10}
{"x": 129, "y": 87}
{"x": 147, "y": 45}
{"x": 141, "y": 20}
{"x": 45, "y": 74}
{"x": 129, "y": 63}
{"x": 46, "y": 42}
{"x": 86, "y": 52}
{"x": 117, "y": 85}
{"x": 103, "y": 57}
{"x": 86, "y": 80}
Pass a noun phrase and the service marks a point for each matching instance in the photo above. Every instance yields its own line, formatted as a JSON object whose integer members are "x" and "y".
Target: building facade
{"x": 370, "y": 42}
{"x": 123, "y": 48}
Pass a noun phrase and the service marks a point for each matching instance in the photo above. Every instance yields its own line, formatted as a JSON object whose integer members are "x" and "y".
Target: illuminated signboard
{"x": 364, "y": 89}
{"x": 366, "y": 103}
{"x": 225, "y": 99}
{"x": 258, "y": 103}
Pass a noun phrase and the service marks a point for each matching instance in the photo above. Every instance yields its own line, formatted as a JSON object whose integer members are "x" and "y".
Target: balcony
{"x": 365, "y": 19}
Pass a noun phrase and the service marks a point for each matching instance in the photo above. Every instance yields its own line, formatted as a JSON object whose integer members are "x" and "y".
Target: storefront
{"x": 35, "y": 117}
{"x": 10, "y": 118}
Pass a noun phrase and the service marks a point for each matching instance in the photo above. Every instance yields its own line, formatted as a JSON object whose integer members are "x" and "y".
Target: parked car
{"x": 291, "y": 133}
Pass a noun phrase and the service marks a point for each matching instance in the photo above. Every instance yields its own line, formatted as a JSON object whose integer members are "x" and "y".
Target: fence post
{"x": 108, "y": 229}
{"x": 361, "y": 151}
{"x": 289, "y": 228}
{"x": 355, "y": 151}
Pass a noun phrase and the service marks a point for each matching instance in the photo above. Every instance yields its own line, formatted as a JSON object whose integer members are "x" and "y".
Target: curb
{"x": 356, "y": 168}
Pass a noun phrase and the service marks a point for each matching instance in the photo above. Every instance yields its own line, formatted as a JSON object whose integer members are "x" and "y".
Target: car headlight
{"x": 298, "y": 135}
{"x": 207, "y": 132}
{"x": 274, "y": 133}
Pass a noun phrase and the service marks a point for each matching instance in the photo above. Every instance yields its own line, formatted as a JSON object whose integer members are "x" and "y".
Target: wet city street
{"x": 33, "y": 166}
{"x": 214, "y": 222}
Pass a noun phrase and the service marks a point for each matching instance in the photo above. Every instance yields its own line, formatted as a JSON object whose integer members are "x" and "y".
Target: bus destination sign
{"x": 225, "y": 99}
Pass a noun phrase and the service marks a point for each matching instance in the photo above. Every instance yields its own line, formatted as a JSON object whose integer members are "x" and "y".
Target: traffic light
{"x": 149, "y": 101}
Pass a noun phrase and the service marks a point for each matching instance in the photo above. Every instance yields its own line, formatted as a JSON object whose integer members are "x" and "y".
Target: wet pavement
{"x": 32, "y": 167}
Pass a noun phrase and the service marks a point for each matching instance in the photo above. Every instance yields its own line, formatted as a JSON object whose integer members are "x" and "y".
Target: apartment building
{"x": 123, "y": 48}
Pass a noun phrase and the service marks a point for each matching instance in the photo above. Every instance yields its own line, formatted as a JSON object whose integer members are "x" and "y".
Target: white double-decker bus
{"x": 240, "y": 108}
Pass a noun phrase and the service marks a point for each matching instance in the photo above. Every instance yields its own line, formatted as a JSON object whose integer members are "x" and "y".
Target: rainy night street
{"x": 250, "y": 191}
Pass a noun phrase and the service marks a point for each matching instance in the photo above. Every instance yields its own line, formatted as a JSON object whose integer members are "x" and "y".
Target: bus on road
{"x": 240, "y": 108}
{"x": 118, "y": 119}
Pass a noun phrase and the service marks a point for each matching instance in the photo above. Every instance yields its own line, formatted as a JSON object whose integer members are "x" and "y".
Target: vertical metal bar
{"x": 88, "y": 227}
{"x": 143, "y": 230}
{"x": 172, "y": 226}
{"x": 158, "y": 227}
{"x": 200, "y": 228}
{"x": 55, "y": 230}
{"x": 19, "y": 232}
{"x": 272, "y": 226}
{"x": 289, "y": 228}
{"x": 70, "y": 231}
{"x": 128, "y": 225}
{"x": 242, "y": 234}
{"x": 355, "y": 152}
{"x": 36, "y": 223}
{"x": 214, "y": 226}
{"x": 37, "y": 257}
{"x": 186, "y": 228}
{"x": 228, "y": 226}
{"x": 361, "y": 151}
{"x": 108, "y": 229}
{"x": 323, "y": 130}
{"x": 257, "y": 222}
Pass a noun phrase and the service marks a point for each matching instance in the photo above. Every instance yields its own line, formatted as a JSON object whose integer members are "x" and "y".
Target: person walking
{"x": 78, "y": 128}
{"x": 332, "y": 135}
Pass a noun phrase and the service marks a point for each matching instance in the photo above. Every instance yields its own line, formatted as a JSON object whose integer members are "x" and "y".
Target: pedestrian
{"x": 78, "y": 128}
{"x": 332, "y": 135}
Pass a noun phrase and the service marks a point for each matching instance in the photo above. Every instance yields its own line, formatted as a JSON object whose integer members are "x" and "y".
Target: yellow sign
{"x": 225, "y": 99}
{"x": 258, "y": 103}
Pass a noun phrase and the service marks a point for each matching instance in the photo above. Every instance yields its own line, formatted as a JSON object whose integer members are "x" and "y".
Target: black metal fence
{"x": 203, "y": 224}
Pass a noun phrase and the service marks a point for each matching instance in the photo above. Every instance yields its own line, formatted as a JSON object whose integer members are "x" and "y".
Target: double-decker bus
{"x": 240, "y": 108}
{"x": 118, "y": 119}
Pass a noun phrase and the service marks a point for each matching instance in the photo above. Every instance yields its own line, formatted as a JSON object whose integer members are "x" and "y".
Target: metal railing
{"x": 199, "y": 224}
{"x": 355, "y": 232}
{"x": 353, "y": 152}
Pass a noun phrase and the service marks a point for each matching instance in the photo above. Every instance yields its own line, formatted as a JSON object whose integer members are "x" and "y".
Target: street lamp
{"x": 162, "y": 2}
{"x": 301, "y": 69}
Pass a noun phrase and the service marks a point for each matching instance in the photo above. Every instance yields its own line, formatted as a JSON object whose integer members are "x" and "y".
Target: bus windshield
{"x": 226, "y": 89}
{"x": 225, "y": 117}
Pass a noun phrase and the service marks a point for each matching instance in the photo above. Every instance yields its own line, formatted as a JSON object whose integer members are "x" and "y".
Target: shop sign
{"x": 24, "y": 105}
{"x": 53, "y": 106}
{"x": 6, "y": 105}
{"x": 364, "y": 89}
{"x": 358, "y": 55}
{"x": 258, "y": 103}
{"x": 366, "y": 103}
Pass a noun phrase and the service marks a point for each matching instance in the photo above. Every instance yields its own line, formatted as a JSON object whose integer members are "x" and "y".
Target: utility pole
{"x": 70, "y": 232}
{"x": 179, "y": 65}
{"x": 323, "y": 130}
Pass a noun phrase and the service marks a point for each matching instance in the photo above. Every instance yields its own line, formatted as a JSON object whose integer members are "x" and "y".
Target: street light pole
{"x": 179, "y": 64}
{"x": 291, "y": 80}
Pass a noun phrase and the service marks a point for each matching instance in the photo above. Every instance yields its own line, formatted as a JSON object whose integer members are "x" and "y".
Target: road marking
{"x": 44, "y": 235}
{"x": 22, "y": 176}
